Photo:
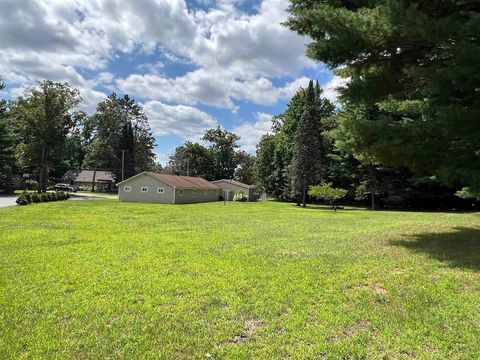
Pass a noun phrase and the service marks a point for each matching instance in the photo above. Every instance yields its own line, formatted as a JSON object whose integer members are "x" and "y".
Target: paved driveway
{"x": 7, "y": 201}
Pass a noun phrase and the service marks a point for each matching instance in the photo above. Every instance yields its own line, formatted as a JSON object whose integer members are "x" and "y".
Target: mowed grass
{"x": 108, "y": 280}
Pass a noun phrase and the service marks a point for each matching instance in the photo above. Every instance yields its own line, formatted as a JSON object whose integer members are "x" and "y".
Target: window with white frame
{"x": 144, "y": 189}
{"x": 127, "y": 188}
{"x": 160, "y": 190}
{"x": 194, "y": 192}
{"x": 180, "y": 192}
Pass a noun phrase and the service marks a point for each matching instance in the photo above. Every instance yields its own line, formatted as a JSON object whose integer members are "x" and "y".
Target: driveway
{"x": 7, "y": 200}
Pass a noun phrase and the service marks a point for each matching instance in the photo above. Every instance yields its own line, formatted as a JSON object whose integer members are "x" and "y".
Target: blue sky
{"x": 192, "y": 65}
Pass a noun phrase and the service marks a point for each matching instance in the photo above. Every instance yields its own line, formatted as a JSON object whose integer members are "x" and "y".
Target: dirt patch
{"x": 292, "y": 253}
{"x": 380, "y": 290}
{"x": 249, "y": 329}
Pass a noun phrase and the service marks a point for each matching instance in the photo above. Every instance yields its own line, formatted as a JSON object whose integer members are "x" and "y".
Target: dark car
{"x": 65, "y": 187}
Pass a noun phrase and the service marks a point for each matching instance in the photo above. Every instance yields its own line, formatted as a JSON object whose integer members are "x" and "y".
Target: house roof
{"x": 235, "y": 182}
{"x": 87, "y": 175}
{"x": 184, "y": 182}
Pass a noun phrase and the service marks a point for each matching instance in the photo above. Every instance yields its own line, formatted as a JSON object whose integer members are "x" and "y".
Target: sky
{"x": 193, "y": 65}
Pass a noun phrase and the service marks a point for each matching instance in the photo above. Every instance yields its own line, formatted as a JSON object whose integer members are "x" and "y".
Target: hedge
{"x": 26, "y": 198}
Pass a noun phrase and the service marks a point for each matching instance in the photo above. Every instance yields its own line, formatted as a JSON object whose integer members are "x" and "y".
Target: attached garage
{"x": 230, "y": 187}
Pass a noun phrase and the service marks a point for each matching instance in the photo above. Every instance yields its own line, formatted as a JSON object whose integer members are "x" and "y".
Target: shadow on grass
{"x": 459, "y": 248}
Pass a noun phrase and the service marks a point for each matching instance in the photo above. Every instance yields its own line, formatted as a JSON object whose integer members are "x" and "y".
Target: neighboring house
{"x": 104, "y": 180}
{"x": 230, "y": 187}
{"x": 167, "y": 189}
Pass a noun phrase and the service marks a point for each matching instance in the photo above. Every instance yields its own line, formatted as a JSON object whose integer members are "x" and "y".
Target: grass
{"x": 108, "y": 280}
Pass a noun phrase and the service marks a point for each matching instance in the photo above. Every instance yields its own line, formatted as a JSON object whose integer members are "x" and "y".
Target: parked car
{"x": 65, "y": 187}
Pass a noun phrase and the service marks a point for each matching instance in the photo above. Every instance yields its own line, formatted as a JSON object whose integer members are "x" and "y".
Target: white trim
{"x": 127, "y": 187}
{"x": 160, "y": 190}
{"x": 144, "y": 187}
{"x": 174, "y": 190}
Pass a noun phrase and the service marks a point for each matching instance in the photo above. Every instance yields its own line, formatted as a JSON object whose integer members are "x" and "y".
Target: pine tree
{"x": 411, "y": 97}
{"x": 6, "y": 157}
{"x": 306, "y": 163}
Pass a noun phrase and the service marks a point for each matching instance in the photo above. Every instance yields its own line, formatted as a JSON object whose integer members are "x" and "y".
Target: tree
{"x": 223, "y": 145}
{"x": 245, "y": 171}
{"x": 412, "y": 94}
{"x": 306, "y": 162}
{"x": 328, "y": 193}
{"x": 46, "y": 115}
{"x": 193, "y": 159}
{"x": 7, "y": 158}
{"x": 119, "y": 130}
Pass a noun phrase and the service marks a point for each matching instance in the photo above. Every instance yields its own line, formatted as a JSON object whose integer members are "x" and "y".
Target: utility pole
{"x": 123, "y": 163}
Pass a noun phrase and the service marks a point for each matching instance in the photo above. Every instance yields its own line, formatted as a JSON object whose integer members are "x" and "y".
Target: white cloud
{"x": 185, "y": 121}
{"x": 251, "y": 132}
{"x": 330, "y": 89}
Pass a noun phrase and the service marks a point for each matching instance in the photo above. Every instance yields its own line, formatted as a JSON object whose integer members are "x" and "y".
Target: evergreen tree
{"x": 6, "y": 157}
{"x": 412, "y": 94}
{"x": 306, "y": 162}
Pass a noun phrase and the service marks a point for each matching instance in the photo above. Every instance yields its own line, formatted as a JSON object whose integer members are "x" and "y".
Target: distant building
{"x": 167, "y": 189}
{"x": 104, "y": 180}
{"x": 230, "y": 187}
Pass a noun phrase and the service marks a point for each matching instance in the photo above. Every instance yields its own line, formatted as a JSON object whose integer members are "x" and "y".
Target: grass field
{"x": 102, "y": 279}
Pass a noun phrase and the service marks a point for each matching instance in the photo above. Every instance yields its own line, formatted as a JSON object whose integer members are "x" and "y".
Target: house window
{"x": 127, "y": 188}
{"x": 180, "y": 192}
{"x": 160, "y": 190}
{"x": 144, "y": 189}
{"x": 194, "y": 192}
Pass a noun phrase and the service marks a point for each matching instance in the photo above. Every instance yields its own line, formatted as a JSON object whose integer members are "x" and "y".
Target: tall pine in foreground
{"x": 306, "y": 163}
{"x": 6, "y": 149}
{"x": 412, "y": 79}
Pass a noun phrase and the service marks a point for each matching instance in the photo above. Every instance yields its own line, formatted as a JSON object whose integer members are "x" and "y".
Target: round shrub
{"x": 22, "y": 200}
{"x": 44, "y": 197}
{"x": 240, "y": 196}
{"x": 53, "y": 197}
{"x": 35, "y": 197}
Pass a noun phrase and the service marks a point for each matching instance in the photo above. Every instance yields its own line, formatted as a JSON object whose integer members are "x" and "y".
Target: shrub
{"x": 328, "y": 193}
{"x": 35, "y": 197}
{"x": 67, "y": 196}
{"x": 22, "y": 200}
{"x": 44, "y": 197}
{"x": 240, "y": 196}
{"x": 31, "y": 185}
{"x": 53, "y": 197}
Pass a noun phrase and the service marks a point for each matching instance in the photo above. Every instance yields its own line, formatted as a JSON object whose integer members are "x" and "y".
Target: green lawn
{"x": 102, "y": 279}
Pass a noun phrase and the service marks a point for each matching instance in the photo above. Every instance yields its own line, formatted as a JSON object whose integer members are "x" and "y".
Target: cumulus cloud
{"x": 185, "y": 121}
{"x": 230, "y": 56}
{"x": 251, "y": 132}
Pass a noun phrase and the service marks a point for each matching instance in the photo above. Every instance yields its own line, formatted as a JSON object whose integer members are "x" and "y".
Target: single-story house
{"x": 230, "y": 187}
{"x": 104, "y": 180}
{"x": 167, "y": 189}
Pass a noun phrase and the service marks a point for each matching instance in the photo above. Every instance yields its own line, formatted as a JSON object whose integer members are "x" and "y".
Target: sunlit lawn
{"x": 103, "y": 279}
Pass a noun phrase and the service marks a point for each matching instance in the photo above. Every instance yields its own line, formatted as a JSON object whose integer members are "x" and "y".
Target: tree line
{"x": 43, "y": 134}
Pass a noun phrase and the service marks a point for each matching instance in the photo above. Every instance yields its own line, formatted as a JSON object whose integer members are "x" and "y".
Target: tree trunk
{"x": 304, "y": 196}
{"x": 373, "y": 199}
{"x": 41, "y": 180}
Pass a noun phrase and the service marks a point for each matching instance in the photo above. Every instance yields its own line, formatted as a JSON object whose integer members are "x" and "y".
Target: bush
{"x": 28, "y": 196}
{"x": 240, "y": 196}
{"x": 44, "y": 197}
{"x": 53, "y": 197}
{"x": 328, "y": 193}
{"x": 35, "y": 197}
{"x": 22, "y": 200}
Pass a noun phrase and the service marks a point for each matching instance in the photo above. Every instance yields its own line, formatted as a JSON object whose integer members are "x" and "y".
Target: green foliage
{"x": 53, "y": 196}
{"x": 119, "y": 123}
{"x": 223, "y": 145}
{"x": 7, "y": 157}
{"x": 44, "y": 118}
{"x": 412, "y": 95}
{"x": 44, "y": 197}
{"x": 195, "y": 159}
{"x": 467, "y": 193}
{"x": 22, "y": 200}
{"x": 35, "y": 197}
{"x": 328, "y": 193}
